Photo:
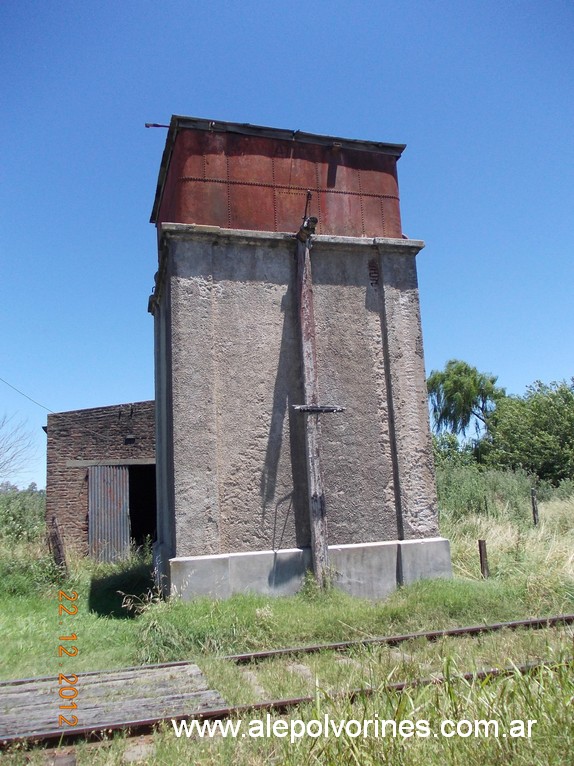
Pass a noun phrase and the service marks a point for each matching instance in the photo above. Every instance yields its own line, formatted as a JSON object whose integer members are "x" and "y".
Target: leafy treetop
{"x": 460, "y": 395}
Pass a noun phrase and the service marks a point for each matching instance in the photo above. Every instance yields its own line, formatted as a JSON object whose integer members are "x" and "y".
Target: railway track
{"x": 138, "y": 725}
{"x": 146, "y": 726}
{"x": 431, "y": 635}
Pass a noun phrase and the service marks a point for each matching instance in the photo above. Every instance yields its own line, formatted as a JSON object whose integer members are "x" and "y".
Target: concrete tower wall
{"x": 230, "y": 444}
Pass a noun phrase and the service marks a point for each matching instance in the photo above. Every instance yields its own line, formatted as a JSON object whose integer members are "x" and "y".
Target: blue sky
{"x": 481, "y": 93}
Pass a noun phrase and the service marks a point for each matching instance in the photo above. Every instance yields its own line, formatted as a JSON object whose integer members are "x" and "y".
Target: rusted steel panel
{"x": 108, "y": 512}
{"x": 247, "y": 177}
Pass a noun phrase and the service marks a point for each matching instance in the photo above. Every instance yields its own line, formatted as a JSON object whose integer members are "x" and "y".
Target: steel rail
{"x": 430, "y": 635}
{"x": 145, "y": 726}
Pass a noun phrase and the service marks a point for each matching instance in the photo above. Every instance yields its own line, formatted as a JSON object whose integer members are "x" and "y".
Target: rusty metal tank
{"x": 242, "y": 176}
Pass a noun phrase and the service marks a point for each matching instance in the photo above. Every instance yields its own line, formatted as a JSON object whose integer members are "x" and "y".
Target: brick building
{"x": 101, "y": 478}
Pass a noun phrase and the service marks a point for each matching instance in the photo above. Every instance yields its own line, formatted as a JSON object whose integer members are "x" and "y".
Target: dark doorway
{"x": 142, "y": 503}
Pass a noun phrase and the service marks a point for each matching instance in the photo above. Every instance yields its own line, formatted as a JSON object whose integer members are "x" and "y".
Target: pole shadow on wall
{"x": 289, "y": 510}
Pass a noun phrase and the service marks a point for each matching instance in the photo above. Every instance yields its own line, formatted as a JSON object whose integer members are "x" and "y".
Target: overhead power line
{"x": 43, "y": 406}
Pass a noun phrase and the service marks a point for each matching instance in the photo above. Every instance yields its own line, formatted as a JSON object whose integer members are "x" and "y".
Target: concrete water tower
{"x": 291, "y": 406}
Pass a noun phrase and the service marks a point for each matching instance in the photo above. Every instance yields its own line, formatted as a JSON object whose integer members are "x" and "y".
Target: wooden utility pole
{"x": 311, "y": 408}
{"x": 317, "y": 517}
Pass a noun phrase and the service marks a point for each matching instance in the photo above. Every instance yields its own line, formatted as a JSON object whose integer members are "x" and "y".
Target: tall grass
{"x": 26, "y": 567}
{"x": 538, "y": 560}
{"x": 464, "y": 490}
{"x": 543, "y": 697}
{"x": 532, "y": 573}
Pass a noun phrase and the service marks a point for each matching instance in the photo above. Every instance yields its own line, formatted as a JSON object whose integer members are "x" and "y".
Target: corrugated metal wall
{"x": 108, "y": 512}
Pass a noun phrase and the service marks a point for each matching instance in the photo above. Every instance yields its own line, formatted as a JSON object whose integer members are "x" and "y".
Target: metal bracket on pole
{"x": 318, "y": 409}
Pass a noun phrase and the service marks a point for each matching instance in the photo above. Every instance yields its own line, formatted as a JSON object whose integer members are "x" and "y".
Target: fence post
{"x": 483, "y": 559}
{"x": 534, "y": 506}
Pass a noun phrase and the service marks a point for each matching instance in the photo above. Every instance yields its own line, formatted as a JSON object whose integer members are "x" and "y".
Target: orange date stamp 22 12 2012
{"x": 67, "y": 682}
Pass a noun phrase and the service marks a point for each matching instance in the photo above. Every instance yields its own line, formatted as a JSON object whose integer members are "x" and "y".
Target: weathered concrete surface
{"x": 367, "y": 571}
{"x": 231, "y": 453}
{"x": 235, "y": 372}
{"x": 274, "y": 573}
{"x": 403, "y": 346}
{"x": 371, "y": 570}
{"x": 421, "y": 559}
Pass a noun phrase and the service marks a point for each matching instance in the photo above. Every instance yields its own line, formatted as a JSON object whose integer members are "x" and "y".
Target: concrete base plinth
{"x": 367, "y": 570}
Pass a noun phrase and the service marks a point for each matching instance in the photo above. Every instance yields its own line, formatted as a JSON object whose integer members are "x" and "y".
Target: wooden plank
{"x": 51, "y": 701}
{"x": 119, "y": 713}
{"x": 108, "y": 698}
{"x": 104, "y": 683}
{"x": 317, "y": 511}
{"x": 188, "y": 705}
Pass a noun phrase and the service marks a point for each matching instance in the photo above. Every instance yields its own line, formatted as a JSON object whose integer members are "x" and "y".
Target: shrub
{"x": 22, "y": 513}
{"x": 28, "y": 572}
{"x": 469, "y": 489}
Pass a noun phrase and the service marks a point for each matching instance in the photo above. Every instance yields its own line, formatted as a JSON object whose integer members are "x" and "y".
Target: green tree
{"x": 460, "y": 395}
{"x": 535, "y": 432}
